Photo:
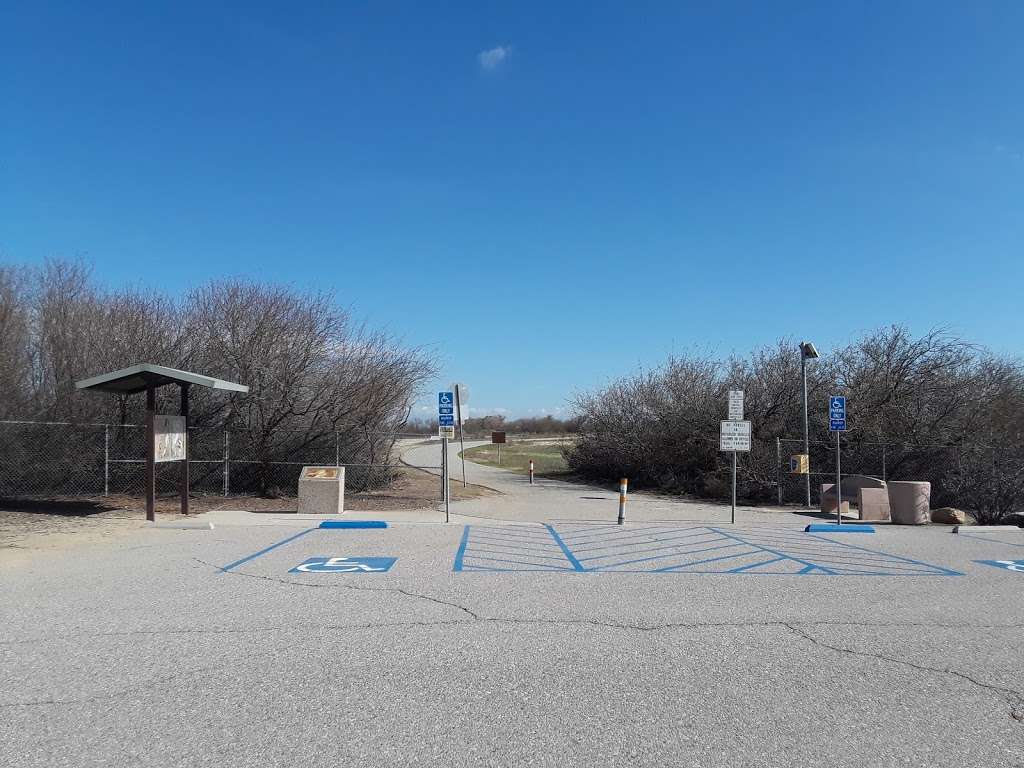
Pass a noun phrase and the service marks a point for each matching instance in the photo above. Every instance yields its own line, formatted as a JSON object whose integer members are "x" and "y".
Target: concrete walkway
{"x": 550, "y": 501}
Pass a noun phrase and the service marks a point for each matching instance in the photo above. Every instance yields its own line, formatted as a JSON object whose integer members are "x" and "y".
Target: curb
{"x": 353, "y": 524}
{"x": 182, "y": 526}
{"x": 836, "y": 528}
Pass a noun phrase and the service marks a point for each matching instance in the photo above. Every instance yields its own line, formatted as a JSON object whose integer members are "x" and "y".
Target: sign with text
{"x": 735, "y": 436}
{"x": 735, "y": 405}
{"x": 448, "y": 432}
{"x": 170, "y": 435}
{"x": 446, "y": 409}
{"x": 498, "y": 437}
{"x": 837, "y": 413}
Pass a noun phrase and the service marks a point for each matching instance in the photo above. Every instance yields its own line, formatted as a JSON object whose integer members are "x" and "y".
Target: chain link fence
{"x": 44, "y": 459}
{"x": 941, "y": 465}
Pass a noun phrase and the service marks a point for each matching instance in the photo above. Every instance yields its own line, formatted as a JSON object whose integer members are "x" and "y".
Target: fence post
{"x": 227, "y": 462}
{"x": 337, "y": 450}
{"x": 106, "y": 459}
{"x": 778, "y": 466}
{"x": 883, "y": 461}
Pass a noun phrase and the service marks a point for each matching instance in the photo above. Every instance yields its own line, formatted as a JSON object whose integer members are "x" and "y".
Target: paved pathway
{"x": 554, "y": 500}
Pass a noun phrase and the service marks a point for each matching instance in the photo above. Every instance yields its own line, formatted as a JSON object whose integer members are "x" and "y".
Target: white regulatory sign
{"x": 735, "y": 405}
{"x": 735, "y": 436}
{"x": 170, "y": 438}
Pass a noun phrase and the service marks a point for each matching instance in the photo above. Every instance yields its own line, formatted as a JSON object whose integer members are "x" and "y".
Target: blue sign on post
{"x": 445, "y": 409}
{"x": 837, "y": 413}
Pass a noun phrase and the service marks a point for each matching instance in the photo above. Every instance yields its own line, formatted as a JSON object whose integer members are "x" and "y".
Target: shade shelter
{"x": 170, "y": 431}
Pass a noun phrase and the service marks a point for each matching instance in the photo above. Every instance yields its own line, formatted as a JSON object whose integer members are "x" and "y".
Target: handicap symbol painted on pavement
{"x": 1017, "y": 566}
{"x": 345, "y": 565}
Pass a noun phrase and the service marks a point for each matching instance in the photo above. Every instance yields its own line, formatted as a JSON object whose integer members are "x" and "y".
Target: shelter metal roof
{"x": 138, "y": 377}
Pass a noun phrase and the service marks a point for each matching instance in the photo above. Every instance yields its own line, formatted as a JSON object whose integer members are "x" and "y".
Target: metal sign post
{"x": 736, "y": 417}
{"x": 837, "y": 424}
{"x": 445, "y": 430}
{"x": 445, "y": 488}
{"x": 734, "y": 437}
{"x": 461, "y": 398}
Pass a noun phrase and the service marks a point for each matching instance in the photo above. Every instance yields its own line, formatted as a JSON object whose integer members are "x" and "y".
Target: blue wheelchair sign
{"x": 445, "y": 409}
{"x": 837, "y": 413}
{"x": 345, "y": 565}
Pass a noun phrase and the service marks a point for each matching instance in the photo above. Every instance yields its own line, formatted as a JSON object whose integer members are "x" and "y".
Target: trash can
{"x": 910, "y": 502}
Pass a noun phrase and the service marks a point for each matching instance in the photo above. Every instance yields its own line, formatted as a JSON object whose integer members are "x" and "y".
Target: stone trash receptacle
{"x": 322, "y": 491}
{"x": 910, "y": 502}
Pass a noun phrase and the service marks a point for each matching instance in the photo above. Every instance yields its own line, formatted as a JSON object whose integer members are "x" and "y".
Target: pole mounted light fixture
{"x": 807, "y": 352}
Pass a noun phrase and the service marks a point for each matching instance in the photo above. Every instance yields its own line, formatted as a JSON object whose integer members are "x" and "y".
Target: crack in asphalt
{"x": 1013, "y": 697}
{"x": 155, "y": 682}
{"x": 343, "y": 586}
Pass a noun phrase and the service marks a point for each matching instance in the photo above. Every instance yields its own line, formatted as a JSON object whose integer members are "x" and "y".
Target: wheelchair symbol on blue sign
{"x": 444, "y": 398}
{"x": 345, "y": 565}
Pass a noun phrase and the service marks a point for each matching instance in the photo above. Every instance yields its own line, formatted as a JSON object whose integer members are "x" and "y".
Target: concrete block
{"x": 322, "y": 491}
{"x": 873, "y": 503}
{"x": 909, "y": 502}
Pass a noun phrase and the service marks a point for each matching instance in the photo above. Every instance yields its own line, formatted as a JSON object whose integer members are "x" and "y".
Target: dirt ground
{"x": 56, "y": 522}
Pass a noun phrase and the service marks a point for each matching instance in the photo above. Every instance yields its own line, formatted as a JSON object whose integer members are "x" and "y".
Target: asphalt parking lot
{"x": 545, "y": 644}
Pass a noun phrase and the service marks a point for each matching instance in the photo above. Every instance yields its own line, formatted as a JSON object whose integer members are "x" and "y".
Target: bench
{"x": 870, "y": 494}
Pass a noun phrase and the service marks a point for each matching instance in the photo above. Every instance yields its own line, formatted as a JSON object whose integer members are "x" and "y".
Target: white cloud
{"x": 492, "y": 58}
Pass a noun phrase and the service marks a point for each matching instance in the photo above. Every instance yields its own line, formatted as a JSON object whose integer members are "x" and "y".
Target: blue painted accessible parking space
{"x": 1015, "y": 566}
{"x": 672, "y": 548}
{"x": 325, "y": 564}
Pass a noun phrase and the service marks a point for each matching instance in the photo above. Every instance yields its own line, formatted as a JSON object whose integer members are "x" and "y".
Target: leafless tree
{"x": 934, "y": 400}
{"x": 320, "y": 386}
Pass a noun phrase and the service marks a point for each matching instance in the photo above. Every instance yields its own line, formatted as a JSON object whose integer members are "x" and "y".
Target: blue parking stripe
{"x": 568, "y": 554}
{"x": 756, "y": 565}
{"x": 669, "y": 568}
{"x": 675, "y": 554}
{"x": 640, "y": 540}
{"x": 675, "y": 549}
{"x": 461, "y": 553}
{"x": 766, "y": 549}
{"x": 254, "y": 555}
{"x": 946, "y": 571}
{"x": 679, "y": 547}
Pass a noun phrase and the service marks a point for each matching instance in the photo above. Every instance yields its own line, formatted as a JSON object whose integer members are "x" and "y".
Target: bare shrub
{"x": 935, "y": 398}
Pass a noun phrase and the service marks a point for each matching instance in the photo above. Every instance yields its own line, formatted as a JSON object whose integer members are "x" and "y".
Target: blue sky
{"x": 549, "y": 195}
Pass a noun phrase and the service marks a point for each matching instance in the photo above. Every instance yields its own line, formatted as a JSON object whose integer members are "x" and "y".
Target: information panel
{"x": 735, "y": 436}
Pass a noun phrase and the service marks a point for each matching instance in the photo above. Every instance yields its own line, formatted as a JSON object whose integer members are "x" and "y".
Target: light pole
{"x": 807, "y": 352}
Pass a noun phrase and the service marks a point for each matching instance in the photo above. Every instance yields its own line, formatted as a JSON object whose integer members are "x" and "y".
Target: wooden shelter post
{"x": 150, "y": 453}
{"x": 188, "y": 451}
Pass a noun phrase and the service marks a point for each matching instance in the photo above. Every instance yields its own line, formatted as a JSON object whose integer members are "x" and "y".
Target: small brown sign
{"x": 321, "y": 473}
{"x": 497, "y": 437}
